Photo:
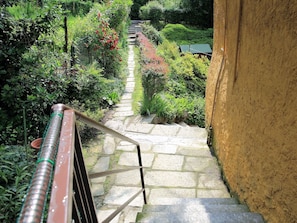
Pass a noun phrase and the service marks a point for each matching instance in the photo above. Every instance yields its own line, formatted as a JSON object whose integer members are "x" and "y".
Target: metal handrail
{"x": 71, "y": 199}
{"x": 97, "y": 125}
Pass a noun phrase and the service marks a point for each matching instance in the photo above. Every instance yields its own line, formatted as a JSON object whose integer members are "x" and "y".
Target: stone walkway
{"x": 177, "y": 161}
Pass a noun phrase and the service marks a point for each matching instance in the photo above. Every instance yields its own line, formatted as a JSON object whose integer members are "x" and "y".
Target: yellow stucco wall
{"x": 251, "y": 102}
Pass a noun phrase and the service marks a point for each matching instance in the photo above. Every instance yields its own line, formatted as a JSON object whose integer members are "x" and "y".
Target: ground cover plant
{"x": 17, "y": 164}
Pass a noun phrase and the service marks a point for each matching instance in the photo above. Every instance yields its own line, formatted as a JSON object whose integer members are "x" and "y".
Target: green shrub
{"x": 163, "y": 106}
{"x": 152, "y": 11}
{"x": 117, "y": 13}
{"x": 191, "y": 71}
{"x": 169, "y": 108}
{"x": 173, "y": 15}
{"x": 38, "y": 86}
{"x": 17, "y": 165}
{"x": 154, "y": 71}
{"x": 76, "y": 7}
{"x": 169, "y": 51}
{"x": 196, "y": 113}
{"x": 153, "y": 81}
{"x": 151, "y": 33}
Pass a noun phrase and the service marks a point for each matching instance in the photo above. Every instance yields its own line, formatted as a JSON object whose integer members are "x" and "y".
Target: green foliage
{"x": 196, "y": 112}
{"x": 198, "y": 13}
{"x": 203, "y": 11}
{"x": 154, "y": 71}
{"x": 182, "y": 98}
{"x": 76, "y": 7}
{"x": 169, "y": 108}
{"x": 36, "y": 74}
{"x": 118, "y": 12}
{"x": 173, "y": 15}
{"x": 184, "y": 35}
{"x": 35, "y": 89}
{"x": 134, "y": 14}
{"x": 169, "y": 4}
{"x": 16, "y": 169}
{"x": 151, "y": 33}
{"x": 24, "y": 10}
{"x": 152, "y": 11}
{"x": 137, "y": 94}
{"x": 99, "y": 41}
{"x": 168, "y": 50}
{"x": 191, "y": 71}
{"x": 153, "y": 82}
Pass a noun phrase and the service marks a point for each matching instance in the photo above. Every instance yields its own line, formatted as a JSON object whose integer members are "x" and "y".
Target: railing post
{"x": 35, "y": 200}
{"x": 141, "y": 174}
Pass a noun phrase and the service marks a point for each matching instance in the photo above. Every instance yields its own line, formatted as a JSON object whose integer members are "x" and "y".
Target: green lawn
{"x": 183, "y": 35}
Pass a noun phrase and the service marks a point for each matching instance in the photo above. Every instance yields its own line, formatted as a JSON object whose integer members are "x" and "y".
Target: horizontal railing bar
{"x": 109, "y": 172}
{"x": 97, "y": 125}
{"x": 119, "y": 209}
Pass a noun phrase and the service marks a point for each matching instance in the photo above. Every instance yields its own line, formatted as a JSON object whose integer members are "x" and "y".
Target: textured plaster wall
{"x": 251, "y": 102}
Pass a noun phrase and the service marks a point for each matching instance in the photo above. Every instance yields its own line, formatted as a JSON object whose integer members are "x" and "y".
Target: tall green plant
{"x": 17, "y": 164}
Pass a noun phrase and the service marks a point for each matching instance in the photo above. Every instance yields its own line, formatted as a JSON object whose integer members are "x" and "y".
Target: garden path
{"x": 177, "y": 161}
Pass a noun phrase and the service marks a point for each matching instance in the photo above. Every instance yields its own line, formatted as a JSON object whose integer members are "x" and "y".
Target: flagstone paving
{"x": 177, "y": 162}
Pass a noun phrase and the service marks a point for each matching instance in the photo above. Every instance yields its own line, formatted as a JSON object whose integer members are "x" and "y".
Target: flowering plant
{"x": 106, "y": 47}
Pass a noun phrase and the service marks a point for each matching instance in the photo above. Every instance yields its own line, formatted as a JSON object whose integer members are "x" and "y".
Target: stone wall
{"x": 251, "y": 103}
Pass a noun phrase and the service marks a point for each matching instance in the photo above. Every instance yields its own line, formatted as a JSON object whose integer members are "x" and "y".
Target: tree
{"x": 200, "y": 12}
{"x": 134, "y": 14}
{"x": 153, "y": 11}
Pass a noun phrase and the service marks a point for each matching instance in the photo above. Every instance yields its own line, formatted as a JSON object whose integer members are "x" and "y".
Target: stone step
{"x": 202, "y": 201}
{"x": 200, "y": 218}
{"x": 209, "y": 208}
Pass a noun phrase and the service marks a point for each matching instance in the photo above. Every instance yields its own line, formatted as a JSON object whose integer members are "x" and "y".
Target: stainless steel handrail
{"x": 34, "y": 204}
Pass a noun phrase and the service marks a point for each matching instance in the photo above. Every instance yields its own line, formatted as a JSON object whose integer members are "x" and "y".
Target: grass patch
{"x": 186, "y": 35}
{"x": 137, "y": 95}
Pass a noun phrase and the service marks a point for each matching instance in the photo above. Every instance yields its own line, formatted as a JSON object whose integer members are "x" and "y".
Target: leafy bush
{"x": 182, "y": 98}
{"x": 154, "y": 70}
{"x": 76, "y": 7}
{"x": 169, "y": 51}
{"x": 17, "y": 165}
{"x": 152, "y": 11}
{"x": 36, "y": 74}
{"x": 173, "y": 15}
{"x": 163, "y": 107}
{"x": 34, "y": 90}
{"x": 99, "y": 42}
{"x": 187, "y": 70}
{"x": 151, "y": 33}
{"x": 196, "y": 113}
{"x": 117, "y": 13}
{"x": 169, "y": 108}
